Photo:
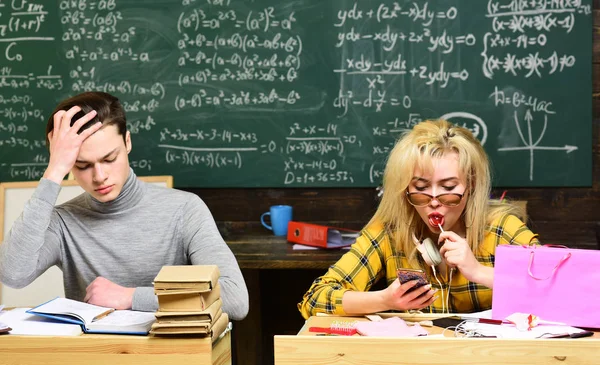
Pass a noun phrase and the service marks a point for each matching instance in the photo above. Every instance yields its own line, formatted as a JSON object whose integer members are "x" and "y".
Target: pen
{"x": 581, "y": 334}
{"x": 334, "y": 330}
{"x": 478, "y": 320}
{"x": 484, "y": 320}
{"x": 104, "y": 314}
{"x": 570, "y": 335}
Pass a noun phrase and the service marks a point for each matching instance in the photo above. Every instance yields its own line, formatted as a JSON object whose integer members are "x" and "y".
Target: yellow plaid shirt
{"x": 373, "y": 257}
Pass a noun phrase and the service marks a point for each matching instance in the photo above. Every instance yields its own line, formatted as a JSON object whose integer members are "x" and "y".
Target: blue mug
{"x": 280, "y": 215}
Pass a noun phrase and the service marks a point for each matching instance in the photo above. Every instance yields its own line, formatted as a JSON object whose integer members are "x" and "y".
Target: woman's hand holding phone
{"x": 406, "y": 275}
{"x": 410, "y": 291}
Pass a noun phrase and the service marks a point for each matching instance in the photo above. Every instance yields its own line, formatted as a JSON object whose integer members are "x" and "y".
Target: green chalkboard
{"x": 276, "y": 93}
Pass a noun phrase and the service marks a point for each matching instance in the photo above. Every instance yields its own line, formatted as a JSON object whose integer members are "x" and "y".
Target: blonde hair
{"x": 416, "y": 149}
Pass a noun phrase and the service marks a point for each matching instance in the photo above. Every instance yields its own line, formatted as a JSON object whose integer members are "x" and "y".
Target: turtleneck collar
{"x": 130, "y": 195}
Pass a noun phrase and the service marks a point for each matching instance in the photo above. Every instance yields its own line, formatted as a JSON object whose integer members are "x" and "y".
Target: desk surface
{"x": 338, "y": 350}
{"x": 273, "y": 252}
{"x": 114, "y": 349}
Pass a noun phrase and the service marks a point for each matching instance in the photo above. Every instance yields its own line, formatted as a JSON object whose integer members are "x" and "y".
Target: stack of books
{"x": 189, "y": 301}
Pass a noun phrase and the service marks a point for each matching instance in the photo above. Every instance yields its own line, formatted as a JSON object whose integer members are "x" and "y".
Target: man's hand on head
{"x": 105, "y": 293}
{"x": 65, "y": 142}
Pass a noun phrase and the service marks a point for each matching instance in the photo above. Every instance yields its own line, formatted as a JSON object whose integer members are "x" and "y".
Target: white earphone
{"x": 429, "y": 251}
{"x": 431, "y": 255}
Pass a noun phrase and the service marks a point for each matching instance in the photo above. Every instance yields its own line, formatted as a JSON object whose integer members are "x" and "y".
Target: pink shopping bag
{"x": 554, "y": 283}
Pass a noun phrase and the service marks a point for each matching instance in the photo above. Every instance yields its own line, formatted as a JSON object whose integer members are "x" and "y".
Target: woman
{"x": 436, "y": 185}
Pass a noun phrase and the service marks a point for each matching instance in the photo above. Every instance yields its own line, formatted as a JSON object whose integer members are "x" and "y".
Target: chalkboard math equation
{"x": 264, "y": 93}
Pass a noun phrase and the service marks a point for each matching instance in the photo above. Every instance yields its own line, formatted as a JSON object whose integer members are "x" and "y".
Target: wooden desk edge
{"x": 333, "y": 350}
{"x": 309, "y": 348}
{"x": 114, "y": 349}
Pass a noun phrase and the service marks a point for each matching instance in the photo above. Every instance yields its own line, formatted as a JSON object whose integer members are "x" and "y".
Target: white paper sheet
{"x": 28, "y": 324}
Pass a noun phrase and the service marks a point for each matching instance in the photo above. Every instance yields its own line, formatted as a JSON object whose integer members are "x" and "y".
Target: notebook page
{"x": 86, "y": 311}
{"x": 28, "y": 324}
{"x": 125, "y": 320}
{"x": 510, "y": 331}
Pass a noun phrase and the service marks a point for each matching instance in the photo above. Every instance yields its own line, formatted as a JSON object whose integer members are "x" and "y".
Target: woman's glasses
{"x": 422, "y": 199}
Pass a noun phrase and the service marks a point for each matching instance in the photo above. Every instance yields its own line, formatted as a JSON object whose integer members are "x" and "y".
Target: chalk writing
{"x": 302, "y": 93}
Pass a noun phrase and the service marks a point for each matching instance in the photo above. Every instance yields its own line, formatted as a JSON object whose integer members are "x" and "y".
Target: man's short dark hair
{"x": 108, "y": 108}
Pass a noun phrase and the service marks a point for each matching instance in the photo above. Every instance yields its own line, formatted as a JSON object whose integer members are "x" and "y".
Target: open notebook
{"x": 96, "y": 319}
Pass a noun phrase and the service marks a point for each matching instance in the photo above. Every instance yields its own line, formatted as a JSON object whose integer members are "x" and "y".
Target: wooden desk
{"x": 114, "y": 349}
{"x": 308, "y": 348}
{"x": 273, "y": 252}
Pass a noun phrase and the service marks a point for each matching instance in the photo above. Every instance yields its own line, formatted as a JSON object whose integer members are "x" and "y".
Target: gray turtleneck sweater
{"x": 127, "y": 241}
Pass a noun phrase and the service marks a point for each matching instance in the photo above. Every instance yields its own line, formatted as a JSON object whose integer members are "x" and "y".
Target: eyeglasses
{"x": 422, "y": 199}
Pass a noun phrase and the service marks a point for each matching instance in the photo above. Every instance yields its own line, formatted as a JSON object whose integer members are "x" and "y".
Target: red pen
{"x": 479, "y": 320}
{"x": 349, "y": 331}
{"x": 487, "y": 320}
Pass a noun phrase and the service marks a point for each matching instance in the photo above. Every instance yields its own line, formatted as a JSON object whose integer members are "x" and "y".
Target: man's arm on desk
{"x": 203, "y": 245}
{"x": 31, "y": 247}
{"x": 105, "y": 293}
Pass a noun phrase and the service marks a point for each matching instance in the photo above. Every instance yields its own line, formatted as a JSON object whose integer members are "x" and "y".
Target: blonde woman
{"x": 436, "y": 188}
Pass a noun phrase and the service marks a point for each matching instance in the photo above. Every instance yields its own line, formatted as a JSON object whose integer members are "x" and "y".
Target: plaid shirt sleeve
{"x": 357, "y": 270}
{"x": 510, "y": 230}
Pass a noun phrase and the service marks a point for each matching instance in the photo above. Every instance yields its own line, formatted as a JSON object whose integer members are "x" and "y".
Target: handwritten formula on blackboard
{"x": 264, "y": 93}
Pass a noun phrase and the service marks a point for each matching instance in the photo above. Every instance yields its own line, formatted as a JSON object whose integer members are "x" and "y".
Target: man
{"x": 111, "y": 241}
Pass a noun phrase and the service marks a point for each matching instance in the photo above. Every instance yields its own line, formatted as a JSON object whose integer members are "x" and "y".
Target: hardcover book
{"x": 197, "y": 278}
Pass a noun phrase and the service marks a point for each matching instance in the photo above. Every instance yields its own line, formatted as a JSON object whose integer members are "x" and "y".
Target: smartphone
{"x": 406, "y": 275}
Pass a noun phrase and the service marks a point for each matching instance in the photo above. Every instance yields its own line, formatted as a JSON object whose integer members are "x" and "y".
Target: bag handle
{"x": 565, "y": 258}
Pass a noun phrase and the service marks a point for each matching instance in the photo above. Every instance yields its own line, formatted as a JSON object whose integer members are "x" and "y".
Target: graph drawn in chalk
{"x": 532, "y": 146}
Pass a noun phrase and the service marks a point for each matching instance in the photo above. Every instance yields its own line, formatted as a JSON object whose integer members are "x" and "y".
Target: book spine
{"x": 307, "y": 234}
